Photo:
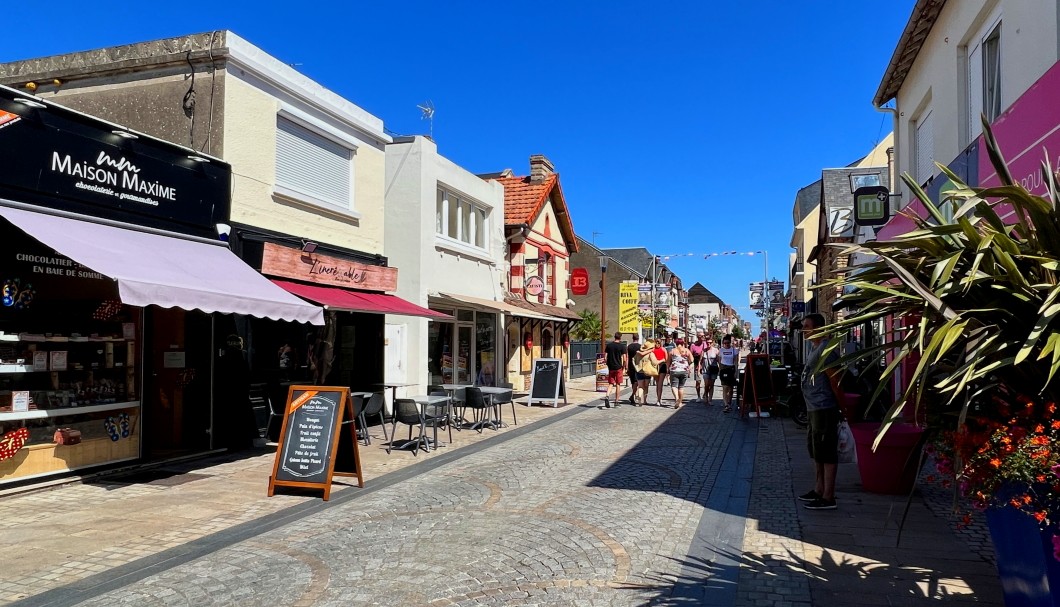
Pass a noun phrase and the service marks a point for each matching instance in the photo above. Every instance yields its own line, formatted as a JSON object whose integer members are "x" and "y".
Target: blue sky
{"x": 685, "y": 127}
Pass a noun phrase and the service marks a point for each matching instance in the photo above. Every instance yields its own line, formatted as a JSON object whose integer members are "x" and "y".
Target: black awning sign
{"x": 872, "y": 206}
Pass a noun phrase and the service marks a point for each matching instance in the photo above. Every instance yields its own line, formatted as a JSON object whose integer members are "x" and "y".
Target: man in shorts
{"x": 820, "y": 389}
{"x": 616, "y": 362}
{"x": 631, "y": 369}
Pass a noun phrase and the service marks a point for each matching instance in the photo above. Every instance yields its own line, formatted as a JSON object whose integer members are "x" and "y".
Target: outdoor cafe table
{"x": 393, "y": 386}
{"x": 425, "y": 400}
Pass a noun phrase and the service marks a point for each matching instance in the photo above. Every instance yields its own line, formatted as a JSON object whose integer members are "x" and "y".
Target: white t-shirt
{"x": 728, "y": 356}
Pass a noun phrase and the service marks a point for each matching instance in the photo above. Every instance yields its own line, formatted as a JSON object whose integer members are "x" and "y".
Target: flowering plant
{"x": 1007, "y": 459}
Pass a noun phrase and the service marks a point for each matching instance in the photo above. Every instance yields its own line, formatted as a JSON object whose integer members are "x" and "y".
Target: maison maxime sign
{"x": 278, "y": 260}
{"x": 79, "y": 164}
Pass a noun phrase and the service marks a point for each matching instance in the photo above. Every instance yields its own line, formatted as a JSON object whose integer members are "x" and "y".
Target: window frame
{"x": 445, "y": 212}
{"x": 288, "y": 191}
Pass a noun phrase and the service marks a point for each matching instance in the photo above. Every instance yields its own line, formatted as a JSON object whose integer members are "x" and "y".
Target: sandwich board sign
{"x": 546, "y": 382}
{"x": 310, "y": 440}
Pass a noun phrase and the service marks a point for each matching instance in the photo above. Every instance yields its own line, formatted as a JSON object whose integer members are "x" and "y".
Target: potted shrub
{"x": 974, "y": 294}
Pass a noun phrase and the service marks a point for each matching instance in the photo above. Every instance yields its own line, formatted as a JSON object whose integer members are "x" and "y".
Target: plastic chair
{"x": 439, "y": 415}
{"x": 261, "y": 405}
{"x": 508, "y": 396}
{"x": 473, "y": 400}
{"x": 406, "y": 411}
{"x": 374, "y": 407}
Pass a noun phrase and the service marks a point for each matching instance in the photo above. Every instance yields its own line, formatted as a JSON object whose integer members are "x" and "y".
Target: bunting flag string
{"x": 708, "y": 255}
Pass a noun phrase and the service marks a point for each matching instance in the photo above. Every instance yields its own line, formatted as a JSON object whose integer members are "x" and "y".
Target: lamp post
{"x": 765, "y": 297}
{"x": 603, "y": 302}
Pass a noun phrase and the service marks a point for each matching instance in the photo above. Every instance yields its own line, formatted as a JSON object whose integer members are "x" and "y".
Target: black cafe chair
{"x": 374, "y": 407}
{"x": 508, "y": 396}
{"x": 474, "y": 400}
{"x": 407, "y": 411}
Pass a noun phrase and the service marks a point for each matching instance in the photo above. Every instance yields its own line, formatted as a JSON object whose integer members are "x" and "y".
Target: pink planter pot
{"x": 893, "y": 467}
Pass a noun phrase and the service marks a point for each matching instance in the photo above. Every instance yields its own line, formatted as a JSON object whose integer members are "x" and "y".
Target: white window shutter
{"x": 308, "y": 163}
{"x": 925, "y": 149}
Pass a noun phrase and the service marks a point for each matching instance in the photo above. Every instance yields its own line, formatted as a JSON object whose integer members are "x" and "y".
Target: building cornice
{"x": 917, "y": 29}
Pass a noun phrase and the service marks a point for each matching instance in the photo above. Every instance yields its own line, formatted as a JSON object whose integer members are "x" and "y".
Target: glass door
{"x": 465, "y": 353}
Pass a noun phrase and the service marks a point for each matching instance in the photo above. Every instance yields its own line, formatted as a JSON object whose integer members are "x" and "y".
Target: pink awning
{"x": 165, "y": 271}
{"x": 358, "y": 301}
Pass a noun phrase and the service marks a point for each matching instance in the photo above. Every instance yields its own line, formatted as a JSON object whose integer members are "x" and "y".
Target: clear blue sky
{"x": 679, "y": 126}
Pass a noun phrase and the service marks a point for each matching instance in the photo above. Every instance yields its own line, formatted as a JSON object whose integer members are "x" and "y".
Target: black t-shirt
{"x": 614, "y": 351}
{"x": 631, "y": 351}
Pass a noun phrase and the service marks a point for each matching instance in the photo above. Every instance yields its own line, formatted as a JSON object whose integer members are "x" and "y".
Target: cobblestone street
{"x": 631, "y": 506}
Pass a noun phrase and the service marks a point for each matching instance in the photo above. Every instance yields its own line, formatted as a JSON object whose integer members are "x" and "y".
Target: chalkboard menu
{"x": 546, "y": 381}
{"x": 758, "y": 381}
{"x": 309, "y": 439}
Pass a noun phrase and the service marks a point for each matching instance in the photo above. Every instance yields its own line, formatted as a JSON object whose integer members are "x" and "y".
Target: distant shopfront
{"x": 113, "y": 279}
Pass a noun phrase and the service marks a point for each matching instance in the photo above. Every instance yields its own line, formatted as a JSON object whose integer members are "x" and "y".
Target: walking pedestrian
{"x": 616, "y": 362}
{"x": 642, "y": 360}
{"x": 729, "y": 364}
{"x": 679, "y": 364}
{"x": 711, "y": 368}
{"x": 631, "y": 368}
{"x": 660, "y": 355}
{"x": 820, "y": 389}
{"x": 697, "y": 359}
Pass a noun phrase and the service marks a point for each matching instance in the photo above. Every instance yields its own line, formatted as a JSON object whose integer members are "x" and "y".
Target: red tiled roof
{"x": 523, "y": 202}
{"x": 522, "y": 199}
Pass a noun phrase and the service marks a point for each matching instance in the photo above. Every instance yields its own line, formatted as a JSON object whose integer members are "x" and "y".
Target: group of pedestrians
{"x": 670, "y": 359}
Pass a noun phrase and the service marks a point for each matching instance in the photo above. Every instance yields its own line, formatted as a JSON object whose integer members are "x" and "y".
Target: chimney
{"x": 540, "y": 168}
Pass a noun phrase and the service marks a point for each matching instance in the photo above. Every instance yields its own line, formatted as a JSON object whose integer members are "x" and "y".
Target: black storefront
{"x": 116, "y": 294}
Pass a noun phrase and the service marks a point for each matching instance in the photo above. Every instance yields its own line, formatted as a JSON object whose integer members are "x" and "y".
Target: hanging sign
{"x": 534, "y": 286}
{"x": 872, "y": 206}
{"x": 628, "y": 312}
{"x": 579, "y": 281}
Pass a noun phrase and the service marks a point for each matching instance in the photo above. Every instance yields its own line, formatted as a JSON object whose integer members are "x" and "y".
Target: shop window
{"x": 461, "y": 219}
{"x": 312, "y": 167}
{"x": 439, "y": 352}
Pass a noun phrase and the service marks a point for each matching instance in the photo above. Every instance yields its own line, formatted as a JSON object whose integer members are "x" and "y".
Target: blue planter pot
{"x": 1030, "y": 576}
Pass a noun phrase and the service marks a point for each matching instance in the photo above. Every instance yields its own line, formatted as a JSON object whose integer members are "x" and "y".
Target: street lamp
{"x": 765, "y": 297}
{"x": 603, "y": 302}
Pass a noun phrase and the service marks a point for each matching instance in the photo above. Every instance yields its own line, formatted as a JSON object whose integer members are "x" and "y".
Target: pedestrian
{"x": 616, "y": 362}
{"x": 697, "y": 358}
{"x": 679, "y": 364}
{"x": 631, "y": 369}
{"x": 711, "y": 368}
{"x": 820, "y": 389}
{"x": 644, "y": 360}
{"x": 669, "y": 344}
{"x": 660, "y": 355}
{"x": 729, "y": 364}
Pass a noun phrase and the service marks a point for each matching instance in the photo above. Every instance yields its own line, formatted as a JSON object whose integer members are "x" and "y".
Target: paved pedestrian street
{"x": 629, "y": 506}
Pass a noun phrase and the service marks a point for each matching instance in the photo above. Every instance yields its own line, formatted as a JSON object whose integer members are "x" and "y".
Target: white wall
{"x": 938, "y": 78}
{"x": 432, "y": 264}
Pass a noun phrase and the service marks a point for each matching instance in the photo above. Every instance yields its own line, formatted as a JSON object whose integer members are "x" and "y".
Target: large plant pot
{"x": 1030, "y": 576}
{"x": 893, "y": 467}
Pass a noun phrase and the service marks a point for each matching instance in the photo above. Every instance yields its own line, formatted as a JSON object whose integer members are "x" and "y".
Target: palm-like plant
{"x": 974, "y": 293}
{"x": 588, "y": 328}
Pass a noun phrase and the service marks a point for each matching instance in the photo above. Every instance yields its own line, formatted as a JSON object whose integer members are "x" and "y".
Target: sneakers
{"x": 820, "y": 504}
{"x": 809, "y": 496}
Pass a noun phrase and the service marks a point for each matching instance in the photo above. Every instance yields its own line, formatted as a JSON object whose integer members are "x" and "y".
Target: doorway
{"x": 177, "y": 403}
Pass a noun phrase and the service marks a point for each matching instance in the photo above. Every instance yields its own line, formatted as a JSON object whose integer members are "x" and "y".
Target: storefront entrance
{"x": 177, "y": 406}
{"x": 464, "y": 351}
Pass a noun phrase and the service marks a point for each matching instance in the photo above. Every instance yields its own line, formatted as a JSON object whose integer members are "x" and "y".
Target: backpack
{"x": 648, "y": 365}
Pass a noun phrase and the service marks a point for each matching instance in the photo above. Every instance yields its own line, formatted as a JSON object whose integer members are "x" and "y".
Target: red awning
{"x": 335, "y": 298}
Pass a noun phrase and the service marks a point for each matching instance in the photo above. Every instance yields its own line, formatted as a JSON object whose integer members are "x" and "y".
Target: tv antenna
{"x": 428, "y": 114}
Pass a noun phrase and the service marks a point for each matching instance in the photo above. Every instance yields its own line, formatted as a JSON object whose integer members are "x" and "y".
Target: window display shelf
{"x": 11, "y": 368}
{"x": 59, "y": 412}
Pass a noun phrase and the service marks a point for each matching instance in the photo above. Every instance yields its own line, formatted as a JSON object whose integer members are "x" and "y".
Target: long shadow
{"x": 709, "y": 459}
{"x": 171, "y": 474}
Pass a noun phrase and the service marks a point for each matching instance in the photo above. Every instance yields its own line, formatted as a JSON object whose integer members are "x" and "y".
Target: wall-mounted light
{"x": 30, "y": 103}
{"x": 308, "y": 246}
{"x": 31, "y": 86}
